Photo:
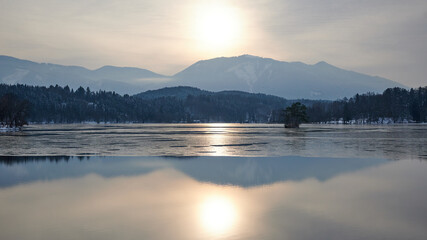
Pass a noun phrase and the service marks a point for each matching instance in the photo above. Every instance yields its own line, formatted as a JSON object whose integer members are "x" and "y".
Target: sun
{"x": 218, "y": 215}
{"x": 217, "y": 26}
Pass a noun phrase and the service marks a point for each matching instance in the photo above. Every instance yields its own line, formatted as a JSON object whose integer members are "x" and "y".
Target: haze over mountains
{"x": 247, "y": 73}
{"x": 119, "y": 79}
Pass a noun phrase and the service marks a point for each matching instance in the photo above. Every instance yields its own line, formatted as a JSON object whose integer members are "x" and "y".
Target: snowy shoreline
{"x": 315, "y": 123}
{"x": 10, "y": 129}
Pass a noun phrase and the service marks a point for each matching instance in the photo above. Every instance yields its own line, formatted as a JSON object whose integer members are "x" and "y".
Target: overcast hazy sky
{"x": 387, "y": 38}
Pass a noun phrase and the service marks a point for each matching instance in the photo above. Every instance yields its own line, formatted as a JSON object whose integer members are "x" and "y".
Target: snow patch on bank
{"x": 9, "y": 129}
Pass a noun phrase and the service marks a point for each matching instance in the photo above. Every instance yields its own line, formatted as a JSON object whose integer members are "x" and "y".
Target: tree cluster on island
{"x": 56, "y": 104}
{"x": 294, "y": 115}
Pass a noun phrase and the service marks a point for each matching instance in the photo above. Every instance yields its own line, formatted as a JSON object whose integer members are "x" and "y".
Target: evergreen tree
{"x": 295, "y": 115}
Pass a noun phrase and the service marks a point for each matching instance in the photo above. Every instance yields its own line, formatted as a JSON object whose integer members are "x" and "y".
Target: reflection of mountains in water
{"x": 253, "y": 171}
{"x": 239, "y": 171}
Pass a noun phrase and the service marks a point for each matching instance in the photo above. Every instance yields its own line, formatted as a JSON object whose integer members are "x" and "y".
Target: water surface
{"x": 386, "y": 141}
{"x": 213, "y": 182}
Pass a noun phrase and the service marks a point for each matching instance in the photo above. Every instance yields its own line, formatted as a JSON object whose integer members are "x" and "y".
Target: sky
{"x": 386, "y": 38}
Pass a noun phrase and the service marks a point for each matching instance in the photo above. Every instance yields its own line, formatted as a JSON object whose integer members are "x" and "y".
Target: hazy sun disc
{"x": 218, "y": 215}
{"x": 217, "y": 26}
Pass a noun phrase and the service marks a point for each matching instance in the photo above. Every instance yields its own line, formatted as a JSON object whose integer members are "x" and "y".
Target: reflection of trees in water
{"x": 10, "y": 160}
{"x": 295, "y": 139}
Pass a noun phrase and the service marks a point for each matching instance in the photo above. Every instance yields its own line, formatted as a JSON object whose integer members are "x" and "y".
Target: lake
{"x": 213, "y": 181}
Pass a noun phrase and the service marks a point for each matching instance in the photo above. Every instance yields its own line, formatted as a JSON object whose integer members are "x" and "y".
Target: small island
{"x": 295, "y": 115}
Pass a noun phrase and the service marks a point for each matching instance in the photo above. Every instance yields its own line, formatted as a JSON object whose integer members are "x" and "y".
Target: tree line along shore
{"x": 20, "y": 104}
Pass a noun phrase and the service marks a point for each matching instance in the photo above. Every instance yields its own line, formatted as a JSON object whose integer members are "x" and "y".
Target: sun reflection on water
{"x": 218, "y": 215}
{"x": 218, "y": 138}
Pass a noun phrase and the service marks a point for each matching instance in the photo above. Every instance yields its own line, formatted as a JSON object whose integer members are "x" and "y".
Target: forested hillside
{"x": 56, "y": 104}
{"x": 394, "y": 105}
{"x": 64, "y": 105}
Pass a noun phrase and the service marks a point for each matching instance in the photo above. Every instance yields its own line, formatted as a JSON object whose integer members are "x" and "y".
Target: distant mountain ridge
{"x": 291, "y": 80}
{"x": 180, "y": 92}
{"x": 285, "y": 79}
{"x": 119, "y": 79}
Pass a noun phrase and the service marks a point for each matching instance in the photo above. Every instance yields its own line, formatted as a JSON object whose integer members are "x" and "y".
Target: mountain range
{"x": 292, "y": 80}
{"x": 120, "y": 79}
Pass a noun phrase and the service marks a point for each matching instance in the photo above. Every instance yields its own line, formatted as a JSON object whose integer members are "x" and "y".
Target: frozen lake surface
{"x": 213, "y": 181}
{"x": 392, "y": 142}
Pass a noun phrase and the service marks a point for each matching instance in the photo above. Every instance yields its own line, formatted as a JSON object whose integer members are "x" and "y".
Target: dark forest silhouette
{"x": 55, "y": 104}
{"x": 13, "y": 111}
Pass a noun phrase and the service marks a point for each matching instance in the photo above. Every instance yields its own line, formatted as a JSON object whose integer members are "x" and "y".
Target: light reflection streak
{"x": 217, "y": 139}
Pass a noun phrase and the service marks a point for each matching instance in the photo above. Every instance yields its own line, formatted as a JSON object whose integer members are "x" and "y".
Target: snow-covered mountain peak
{"x": 242, "y": 73}
{"x": 287, "y": 79}
{"x": 249, "y": 56}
